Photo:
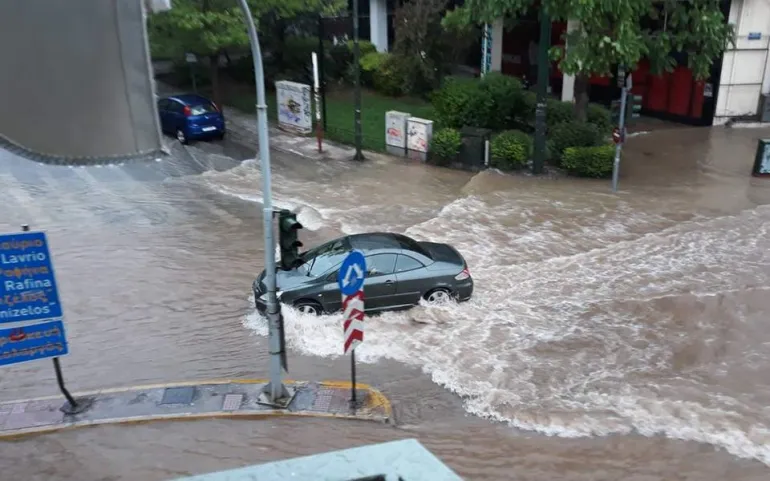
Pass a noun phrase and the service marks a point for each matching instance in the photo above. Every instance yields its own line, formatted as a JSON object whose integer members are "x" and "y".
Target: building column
{"x": 568, "y": 81}
{"x": 378, "y": 24}
{"x": 496, "y": 64}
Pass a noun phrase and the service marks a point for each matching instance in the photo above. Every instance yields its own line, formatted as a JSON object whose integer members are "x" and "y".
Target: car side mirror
{"x": 331, "y": 277}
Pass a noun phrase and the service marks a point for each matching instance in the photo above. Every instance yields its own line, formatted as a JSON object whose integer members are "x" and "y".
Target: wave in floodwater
{"x": 591, "y": 315}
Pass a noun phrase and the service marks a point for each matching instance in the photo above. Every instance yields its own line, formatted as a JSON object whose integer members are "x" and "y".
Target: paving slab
{"x": 191, "y": 400}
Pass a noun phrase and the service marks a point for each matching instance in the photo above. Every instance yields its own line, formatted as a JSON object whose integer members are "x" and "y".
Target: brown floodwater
{"x": 610, "y": 336}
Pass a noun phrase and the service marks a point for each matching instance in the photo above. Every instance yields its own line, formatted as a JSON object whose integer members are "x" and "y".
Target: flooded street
{"x": 630, "y": 329}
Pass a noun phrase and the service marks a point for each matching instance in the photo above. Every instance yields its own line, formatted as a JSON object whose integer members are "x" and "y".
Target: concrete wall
{"x": 744, "y": 69}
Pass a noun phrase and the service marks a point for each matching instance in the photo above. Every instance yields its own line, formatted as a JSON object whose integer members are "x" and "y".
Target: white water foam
{"x": 591, "y": 316}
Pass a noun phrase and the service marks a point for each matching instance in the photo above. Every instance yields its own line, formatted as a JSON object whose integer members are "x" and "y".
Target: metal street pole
{"x": 542, "y": 92}
{"x": 357, "y": 62}
{"x": 622, "y": 130}
{"x": 275, "y": 391}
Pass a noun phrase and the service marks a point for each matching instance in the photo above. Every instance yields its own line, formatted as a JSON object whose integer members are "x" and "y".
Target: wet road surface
{"x": 632, "y": 323}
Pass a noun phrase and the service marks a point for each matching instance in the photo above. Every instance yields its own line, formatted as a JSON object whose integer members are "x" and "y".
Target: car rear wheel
{"x": 181, "y": 137}
{"x": 309, "y": 307}
{"x": 437, "y": 296}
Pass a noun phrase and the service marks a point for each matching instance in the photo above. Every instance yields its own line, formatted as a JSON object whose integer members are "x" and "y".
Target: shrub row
{"x": 512, "y": 149}
{"x": 499, "y": 102}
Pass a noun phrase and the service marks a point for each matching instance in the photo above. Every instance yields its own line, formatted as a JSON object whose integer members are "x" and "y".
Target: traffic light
{"x": 634, "y": 107}
{"x": 288, "y": 235}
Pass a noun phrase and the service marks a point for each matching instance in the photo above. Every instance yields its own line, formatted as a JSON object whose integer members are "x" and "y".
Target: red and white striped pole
{"x": 353, "y": 327}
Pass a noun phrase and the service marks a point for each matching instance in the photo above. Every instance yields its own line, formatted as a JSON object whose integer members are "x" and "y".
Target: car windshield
{"x": 321, "y": 259}
{"x": 201, "y": 109}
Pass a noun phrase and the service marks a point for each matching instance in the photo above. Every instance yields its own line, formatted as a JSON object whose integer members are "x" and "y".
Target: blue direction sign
{"x": 352, "y": 273}
{"x": 30, "y": 343}
{"x": 27, "y": 285}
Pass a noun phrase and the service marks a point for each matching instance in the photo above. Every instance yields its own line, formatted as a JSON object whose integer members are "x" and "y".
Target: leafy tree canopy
{"x": 206, "y": 27}
{"x": 619, "y": 32}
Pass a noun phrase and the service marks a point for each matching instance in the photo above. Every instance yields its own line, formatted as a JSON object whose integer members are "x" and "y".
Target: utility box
{"x": 395, "y": 132}
{"x": 294, "y": 108}
{"x": 419, "y": 135}
{"x": 473, "y": 147}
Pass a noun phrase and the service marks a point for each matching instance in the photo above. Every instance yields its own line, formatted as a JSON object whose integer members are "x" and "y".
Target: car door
{"x": 329, "y": 294}
{"x": 380, "y": 283}
{"x": 176, "y": 116}
{"x": 410, "y": 279}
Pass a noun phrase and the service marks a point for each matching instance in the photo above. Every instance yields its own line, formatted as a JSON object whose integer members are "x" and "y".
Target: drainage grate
{"x": 178, "y": 395}
{"x": 232, "y": 402}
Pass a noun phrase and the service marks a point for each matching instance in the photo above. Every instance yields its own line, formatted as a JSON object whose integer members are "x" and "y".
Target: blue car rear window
{"x": 201, "y": 109}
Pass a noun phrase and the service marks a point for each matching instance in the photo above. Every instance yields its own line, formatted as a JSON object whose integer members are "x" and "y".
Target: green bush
{"x": 370, "y": 63}
{"x": 558, "y": 112}
{"x": 445, "y": 145}
{"x": 599, "y": 116}
{"x": 506, "y": 93}
{"x": 457, "y": 102}
{"x": 493, "y": 102}
{"x": 510, "y": 149}
{"x": 572, "y": 134}
{"x": 364, "y": 47}
{"x": 388, "y": 77}
{"x": 593, "y": 161}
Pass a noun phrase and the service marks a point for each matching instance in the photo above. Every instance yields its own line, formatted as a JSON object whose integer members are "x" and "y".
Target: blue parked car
{"x": 191, "y": 116}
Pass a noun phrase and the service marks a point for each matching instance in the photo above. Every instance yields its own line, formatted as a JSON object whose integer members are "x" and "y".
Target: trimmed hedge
{"x": 510, "y": 149}
{"x": 572, "y": 134}
{"x": 494, "y": 102}
{"x": 593, "y": 161}
{"x": 445, "y": 145}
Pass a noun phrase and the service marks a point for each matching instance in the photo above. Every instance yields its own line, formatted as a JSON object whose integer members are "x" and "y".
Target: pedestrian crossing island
{"x": 191, "y": 401}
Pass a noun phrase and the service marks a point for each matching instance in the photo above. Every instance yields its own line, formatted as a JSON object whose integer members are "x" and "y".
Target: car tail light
{"x": 464, "y": 274}
{"x": 187, "y": 111}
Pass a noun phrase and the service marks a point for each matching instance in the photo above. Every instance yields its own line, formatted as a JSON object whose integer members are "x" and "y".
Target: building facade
{"x": 735, "y": 91}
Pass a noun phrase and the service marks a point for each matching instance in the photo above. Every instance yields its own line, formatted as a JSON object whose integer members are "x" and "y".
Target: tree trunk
{"x": 215, "y": 88}
{"x": 582, "y": 85}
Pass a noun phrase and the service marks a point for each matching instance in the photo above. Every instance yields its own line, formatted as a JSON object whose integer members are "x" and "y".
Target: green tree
{"x": 617, "y": 32}
{"x": 209, "y": 27}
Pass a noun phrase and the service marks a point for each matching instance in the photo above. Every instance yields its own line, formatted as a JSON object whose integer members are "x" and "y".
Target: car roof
{"x": 190, "y": 99}
{"x": 372, "y": 241}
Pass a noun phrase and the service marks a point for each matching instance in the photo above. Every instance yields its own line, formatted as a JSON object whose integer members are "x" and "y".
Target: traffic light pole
{"x": 622, "y": 130}
{"x": 275, "y": 392}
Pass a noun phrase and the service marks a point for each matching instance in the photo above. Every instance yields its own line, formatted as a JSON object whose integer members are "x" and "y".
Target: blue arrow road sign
{"x": 27, "y": 284}
{"x": 352, "y": 273}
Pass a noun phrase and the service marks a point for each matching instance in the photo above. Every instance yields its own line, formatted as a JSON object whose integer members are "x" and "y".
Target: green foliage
{"x": 558, "y": 112}
{"x": 511, "y": 149}
{"x": 391, "y": 76}
{"x": 495, "y": 102}
{"x": 207, "y": 27}
{"x": 296, "y": 64}
{"x": 593, "y": 161}
{"x": 424, "y": 49}
{"x": 507, "y": 94}
{"x": 599, "y": 116}
{"x": 572, "y": 134}
{"x": 445, "y": 145}
{"x": 611, "y": 33}
{"x": 370, "y": 63}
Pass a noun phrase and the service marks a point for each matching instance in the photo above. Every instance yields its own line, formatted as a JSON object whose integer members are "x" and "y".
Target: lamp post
{"x": 277, "y": 394}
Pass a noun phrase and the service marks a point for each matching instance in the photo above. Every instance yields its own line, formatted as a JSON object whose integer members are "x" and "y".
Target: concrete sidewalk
{"x": 186, "y": 401}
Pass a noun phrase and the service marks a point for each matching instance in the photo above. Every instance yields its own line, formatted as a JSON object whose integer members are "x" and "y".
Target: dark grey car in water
{"x": 400, "y": 272}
